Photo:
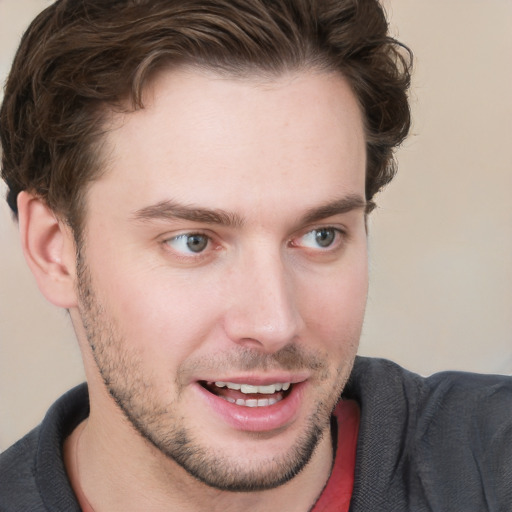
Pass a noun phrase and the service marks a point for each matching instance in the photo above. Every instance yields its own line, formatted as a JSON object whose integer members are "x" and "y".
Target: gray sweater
{"x": 436, "y": 444}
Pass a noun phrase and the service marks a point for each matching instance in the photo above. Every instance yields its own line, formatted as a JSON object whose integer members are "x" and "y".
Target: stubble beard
{"x": 137, "y": 397}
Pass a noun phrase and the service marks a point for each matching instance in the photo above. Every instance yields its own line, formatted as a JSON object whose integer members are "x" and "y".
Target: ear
{"x": 49, "y": 248}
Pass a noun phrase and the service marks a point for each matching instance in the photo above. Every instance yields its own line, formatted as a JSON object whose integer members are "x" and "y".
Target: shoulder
{"x": 18, "y": 489}
{"x": 473, "y": 402}
{"x": 464, "y": 389}
{"x": 453, "y": 401}
{"x": 464, "y": 437}
{"x": 443, "y": 440}
{"x": 32, "y": 472}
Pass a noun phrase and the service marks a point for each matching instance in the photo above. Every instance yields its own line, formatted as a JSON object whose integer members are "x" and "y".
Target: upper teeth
{"x": 248, "y": 388}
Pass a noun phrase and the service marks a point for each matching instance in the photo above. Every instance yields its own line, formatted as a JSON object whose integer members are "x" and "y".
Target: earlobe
{"x": 49, "y": 249}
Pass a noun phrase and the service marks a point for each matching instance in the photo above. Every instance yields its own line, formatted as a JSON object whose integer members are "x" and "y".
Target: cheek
{"x": 334, "y": 307}
{"x": 157, "y": 311}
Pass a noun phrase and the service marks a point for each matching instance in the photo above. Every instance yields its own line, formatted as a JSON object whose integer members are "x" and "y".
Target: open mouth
{"x": 248, "y": 395}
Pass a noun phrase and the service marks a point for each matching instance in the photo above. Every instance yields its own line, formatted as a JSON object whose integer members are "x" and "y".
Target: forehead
{"x": 206, "y": 138}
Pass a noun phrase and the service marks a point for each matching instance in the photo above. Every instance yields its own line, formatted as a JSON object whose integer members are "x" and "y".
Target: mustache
{"x": 291, "y": 358}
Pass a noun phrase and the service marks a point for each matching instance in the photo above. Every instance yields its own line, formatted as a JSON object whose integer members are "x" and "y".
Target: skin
{"x": 265, "y": 298}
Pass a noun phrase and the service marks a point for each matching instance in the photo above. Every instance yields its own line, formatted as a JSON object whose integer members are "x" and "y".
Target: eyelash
{"x": 339, "y": 236}
{"x": 191, "y": 254}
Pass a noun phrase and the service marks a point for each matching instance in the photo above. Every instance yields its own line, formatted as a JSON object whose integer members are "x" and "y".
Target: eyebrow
{"x": 337, "y": 207}
{"x": 170, "y": 210}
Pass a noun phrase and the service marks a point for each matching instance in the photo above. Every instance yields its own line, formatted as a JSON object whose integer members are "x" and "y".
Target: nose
{"x": 263, "y": 311}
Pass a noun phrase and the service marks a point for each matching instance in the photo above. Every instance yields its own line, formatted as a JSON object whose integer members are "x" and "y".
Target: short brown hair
{"x": 80, "y": 56}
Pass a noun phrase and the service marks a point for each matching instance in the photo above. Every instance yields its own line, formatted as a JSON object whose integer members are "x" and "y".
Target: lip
{"x": 256, "y": 419}
{"x": 259, "y": 380}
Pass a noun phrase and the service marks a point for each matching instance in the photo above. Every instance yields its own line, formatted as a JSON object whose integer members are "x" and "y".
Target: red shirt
{"x": 338, "y": 491}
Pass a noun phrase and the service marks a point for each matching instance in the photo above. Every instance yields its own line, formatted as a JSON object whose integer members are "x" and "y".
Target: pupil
{"x": 325, "y": 237}
{"x": 197, "y": 243}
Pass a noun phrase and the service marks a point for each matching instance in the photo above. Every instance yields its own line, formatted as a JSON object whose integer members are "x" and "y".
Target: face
{"x": 223, "y": 275}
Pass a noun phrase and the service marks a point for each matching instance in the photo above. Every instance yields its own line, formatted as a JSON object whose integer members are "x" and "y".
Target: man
{"x": 192, "y": 181}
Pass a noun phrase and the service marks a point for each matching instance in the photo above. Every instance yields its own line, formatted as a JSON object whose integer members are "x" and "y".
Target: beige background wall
{"x": 441, "y": 244}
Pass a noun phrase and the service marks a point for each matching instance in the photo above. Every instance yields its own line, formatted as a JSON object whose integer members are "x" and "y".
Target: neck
{"x": 124, "y": 472}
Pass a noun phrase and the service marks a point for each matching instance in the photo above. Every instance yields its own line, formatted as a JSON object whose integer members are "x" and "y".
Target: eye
{"x": 319, "y": 238}
{"x": 189, "y": 243}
